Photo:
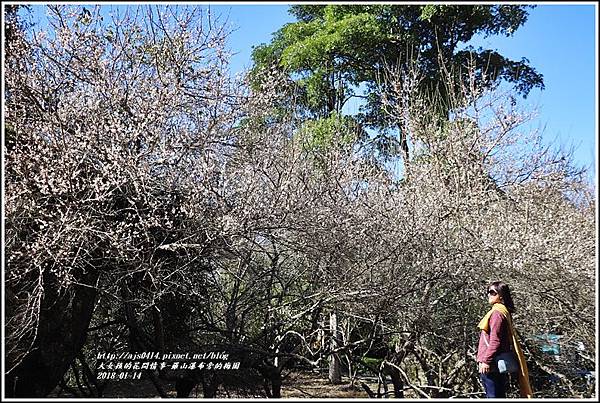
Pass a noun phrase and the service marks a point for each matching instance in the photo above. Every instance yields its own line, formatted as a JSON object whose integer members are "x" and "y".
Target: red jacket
{"x": 498, "y": 339}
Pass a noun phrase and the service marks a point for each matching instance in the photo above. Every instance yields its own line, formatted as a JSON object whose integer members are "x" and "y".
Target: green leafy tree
{"x": 332, "y": 50}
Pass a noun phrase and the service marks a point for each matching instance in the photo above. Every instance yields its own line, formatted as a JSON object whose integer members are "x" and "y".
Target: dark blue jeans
{"x": 495, "y": 384}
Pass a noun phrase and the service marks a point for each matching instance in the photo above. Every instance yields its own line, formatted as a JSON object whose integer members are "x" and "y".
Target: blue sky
{"x": 558, "y": 40}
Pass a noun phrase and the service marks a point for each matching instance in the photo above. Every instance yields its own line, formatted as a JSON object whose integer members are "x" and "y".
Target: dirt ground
{"x": 311, "y": 385}
{"x": 295, "y": 385}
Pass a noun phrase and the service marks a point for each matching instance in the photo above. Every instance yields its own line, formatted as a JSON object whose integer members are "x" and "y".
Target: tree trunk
{"x": 335, "y": 367}
{"x": 396, "y": 379}
{"x": 209, "y": 386}
{"x": 62, "y": 330}
{"x": 403, "y": 139}
{"x": 276, "y": 385}
{"x": 184, "y": 386}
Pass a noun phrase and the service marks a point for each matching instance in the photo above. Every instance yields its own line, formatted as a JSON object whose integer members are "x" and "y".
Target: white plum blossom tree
{"x": 154, "y": 203}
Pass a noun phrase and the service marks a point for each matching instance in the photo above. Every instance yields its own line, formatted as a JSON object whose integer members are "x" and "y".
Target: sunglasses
{"x": 492, "y": 292}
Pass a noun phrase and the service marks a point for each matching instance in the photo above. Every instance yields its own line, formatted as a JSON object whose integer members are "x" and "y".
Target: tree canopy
{"x": 333, "y": 49}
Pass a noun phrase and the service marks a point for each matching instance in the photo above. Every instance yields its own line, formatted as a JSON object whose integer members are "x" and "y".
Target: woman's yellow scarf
{"x": 524, "y": 386}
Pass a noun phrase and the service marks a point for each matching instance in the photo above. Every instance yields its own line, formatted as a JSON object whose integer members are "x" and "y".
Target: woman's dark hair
{"x": 504, "y": 292}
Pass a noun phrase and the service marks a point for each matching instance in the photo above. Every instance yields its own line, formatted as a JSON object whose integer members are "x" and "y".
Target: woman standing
{"x": 498, "y": 336}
